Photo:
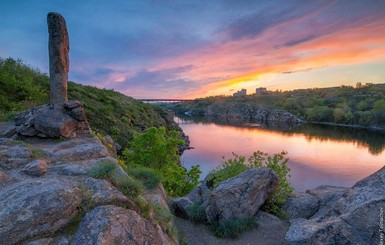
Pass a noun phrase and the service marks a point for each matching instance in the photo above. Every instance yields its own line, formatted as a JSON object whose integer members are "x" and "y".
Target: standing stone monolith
{"x": 58, "y": 46}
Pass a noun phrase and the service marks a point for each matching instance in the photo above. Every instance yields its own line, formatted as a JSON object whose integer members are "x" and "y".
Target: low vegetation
{"x": 278, "y": 162}
{"x": 156, "y": 150}
{"x": 129, "y": 186}
{"x": 232, "y": 228}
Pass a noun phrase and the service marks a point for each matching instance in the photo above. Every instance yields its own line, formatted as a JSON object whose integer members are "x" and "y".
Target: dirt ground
{"x": 269, "y": 232}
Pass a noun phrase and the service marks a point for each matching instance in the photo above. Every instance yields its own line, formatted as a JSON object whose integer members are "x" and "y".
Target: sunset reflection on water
{"x": 313, "y": 160}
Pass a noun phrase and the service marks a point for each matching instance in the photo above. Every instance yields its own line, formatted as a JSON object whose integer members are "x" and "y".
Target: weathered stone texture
{"x": 58, "y": 47}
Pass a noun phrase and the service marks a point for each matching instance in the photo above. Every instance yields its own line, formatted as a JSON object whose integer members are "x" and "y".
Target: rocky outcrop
{"x": 345, "y": 216}
{"x": 115, "y": 225}
{"x": 250, "y": 112}
{"x": 238, "y": 197}
{"x": 241, "y": 196}
{"x": 301, "y": 205}
{"x": 42, "y": 194}
{"x": 36, "y": 207}
{"x": 47, "y": 121}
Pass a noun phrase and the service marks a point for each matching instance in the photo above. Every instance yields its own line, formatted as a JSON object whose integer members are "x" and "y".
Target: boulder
{"x": 179, "y": 206}
{"x": 104, "y": 193}
{"x": 333, "y": 231}
{"x": 36, "y": 207}
{"x": 241, "y": 196}
{"x": 52, "y": 122}
{"x": 301, "y": 205}
{"x": 327, "y": 196}
{"x": 36, "y": 168}
{"x": 350, "y": 217}
{"x": 115, "y": 225}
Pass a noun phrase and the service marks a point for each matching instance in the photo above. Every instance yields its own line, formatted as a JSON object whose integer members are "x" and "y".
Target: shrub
{"x": 277, "y": 162}
{"x": 232, "y": 228}
{"x": 149, "y": 177}
{"x": 103, "y": 170}
{"x": 158, "y": 150}
{"x": 128, "y": 186}
{"x": 196, "y": 213}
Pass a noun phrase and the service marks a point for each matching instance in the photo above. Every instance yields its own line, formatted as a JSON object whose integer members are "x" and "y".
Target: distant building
{"x": 242, "y": 92}
{"x": 260, "y": 91}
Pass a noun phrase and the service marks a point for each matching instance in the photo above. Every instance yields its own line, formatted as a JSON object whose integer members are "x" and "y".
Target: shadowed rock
{"x": 58, "y": 47}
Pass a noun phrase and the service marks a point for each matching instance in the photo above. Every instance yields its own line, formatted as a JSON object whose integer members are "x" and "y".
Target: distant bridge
{"x": 164, "y": 100}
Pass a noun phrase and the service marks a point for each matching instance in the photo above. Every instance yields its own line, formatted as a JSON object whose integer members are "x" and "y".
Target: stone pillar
{"x": 58, "y": 46}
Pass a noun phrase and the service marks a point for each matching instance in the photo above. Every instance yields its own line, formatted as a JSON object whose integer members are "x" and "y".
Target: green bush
{"x": 196, "y": 213}
{"x": 232, "y": 228}
{"x": 149, "y": 177}
{"x": 277, "y": 162}
{"x": 103, "y": 170}
{"x": 158, "y": 150}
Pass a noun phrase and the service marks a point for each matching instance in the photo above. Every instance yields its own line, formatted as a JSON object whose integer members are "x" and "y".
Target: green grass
{"x": 149, "y": 177}
{"x": 232, "y": 228}
{"x": 128, "y": 186}
{"x": 103, "y": 170}
{"x": 196, "y": 213}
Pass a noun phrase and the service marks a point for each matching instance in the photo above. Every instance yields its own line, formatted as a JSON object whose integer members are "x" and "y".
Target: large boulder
{"x": 241, "y": 196}
{"x": 36, "y": 208}
{"x": 115, "y": 225}
{"x": 52, "y": 122}
{"x": 351, "y": 216}
{"x": 301, "y": 205}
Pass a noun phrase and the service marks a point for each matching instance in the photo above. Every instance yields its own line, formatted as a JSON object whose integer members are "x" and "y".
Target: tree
{"x": 157, "y": 149}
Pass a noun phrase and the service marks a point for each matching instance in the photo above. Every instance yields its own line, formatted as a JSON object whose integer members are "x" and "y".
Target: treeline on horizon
{"x": 362, "y": 105}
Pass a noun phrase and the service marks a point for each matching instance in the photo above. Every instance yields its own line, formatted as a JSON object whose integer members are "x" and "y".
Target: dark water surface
{"x": 319, "y": 155}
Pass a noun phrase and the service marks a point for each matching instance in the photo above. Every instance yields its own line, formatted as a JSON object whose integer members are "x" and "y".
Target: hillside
{"x": 109, "y": 112}
{"x": 362, "y": 105}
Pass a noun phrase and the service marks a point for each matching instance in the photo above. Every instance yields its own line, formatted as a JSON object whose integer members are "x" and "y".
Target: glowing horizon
{"x": 151, "y": 49}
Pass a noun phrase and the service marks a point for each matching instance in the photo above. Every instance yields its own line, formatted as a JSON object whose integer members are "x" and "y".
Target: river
{"x": 318, "y": 155}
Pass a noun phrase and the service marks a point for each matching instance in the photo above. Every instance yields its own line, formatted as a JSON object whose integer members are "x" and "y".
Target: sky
{"x": 191, "y": 49}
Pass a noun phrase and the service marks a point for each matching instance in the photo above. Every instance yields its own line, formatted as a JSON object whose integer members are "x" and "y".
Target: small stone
{"x": 71, "y": 104}
{"x": 36, "y": 168}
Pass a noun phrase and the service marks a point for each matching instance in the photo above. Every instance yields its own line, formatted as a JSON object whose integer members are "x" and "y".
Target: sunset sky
{"x": 189, "y": 49}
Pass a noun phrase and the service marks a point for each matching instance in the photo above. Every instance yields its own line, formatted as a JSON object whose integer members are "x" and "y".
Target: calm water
{"x": 318, "y": 155}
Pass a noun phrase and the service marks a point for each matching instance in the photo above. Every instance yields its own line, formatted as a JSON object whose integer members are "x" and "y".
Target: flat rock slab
{"x": 36, "y": 207}
{"x": 109, "y": 225}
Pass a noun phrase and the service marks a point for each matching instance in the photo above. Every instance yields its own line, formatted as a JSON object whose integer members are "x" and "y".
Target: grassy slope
{"x": 110, "y": 112}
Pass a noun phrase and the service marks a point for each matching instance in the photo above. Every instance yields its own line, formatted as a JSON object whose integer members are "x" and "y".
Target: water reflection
{"x": 318, "y": 154}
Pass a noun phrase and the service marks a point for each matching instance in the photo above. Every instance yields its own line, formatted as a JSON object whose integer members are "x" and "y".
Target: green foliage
{"x": 149, "y": 177}
{"x": 232, "y": 228}
{"x": 277, "y": 162}
{"x": 103, "y": 170}
{"x": 154, "y": 149}
{"x": 157, "y": 150}
{"x": 363, "y": 105}
{"x": 196, "y": 213}
{"x": 128, "y": 186}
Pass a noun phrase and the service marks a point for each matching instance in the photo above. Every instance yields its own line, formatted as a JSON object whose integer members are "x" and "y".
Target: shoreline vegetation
{"x": 362, "y": 106}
